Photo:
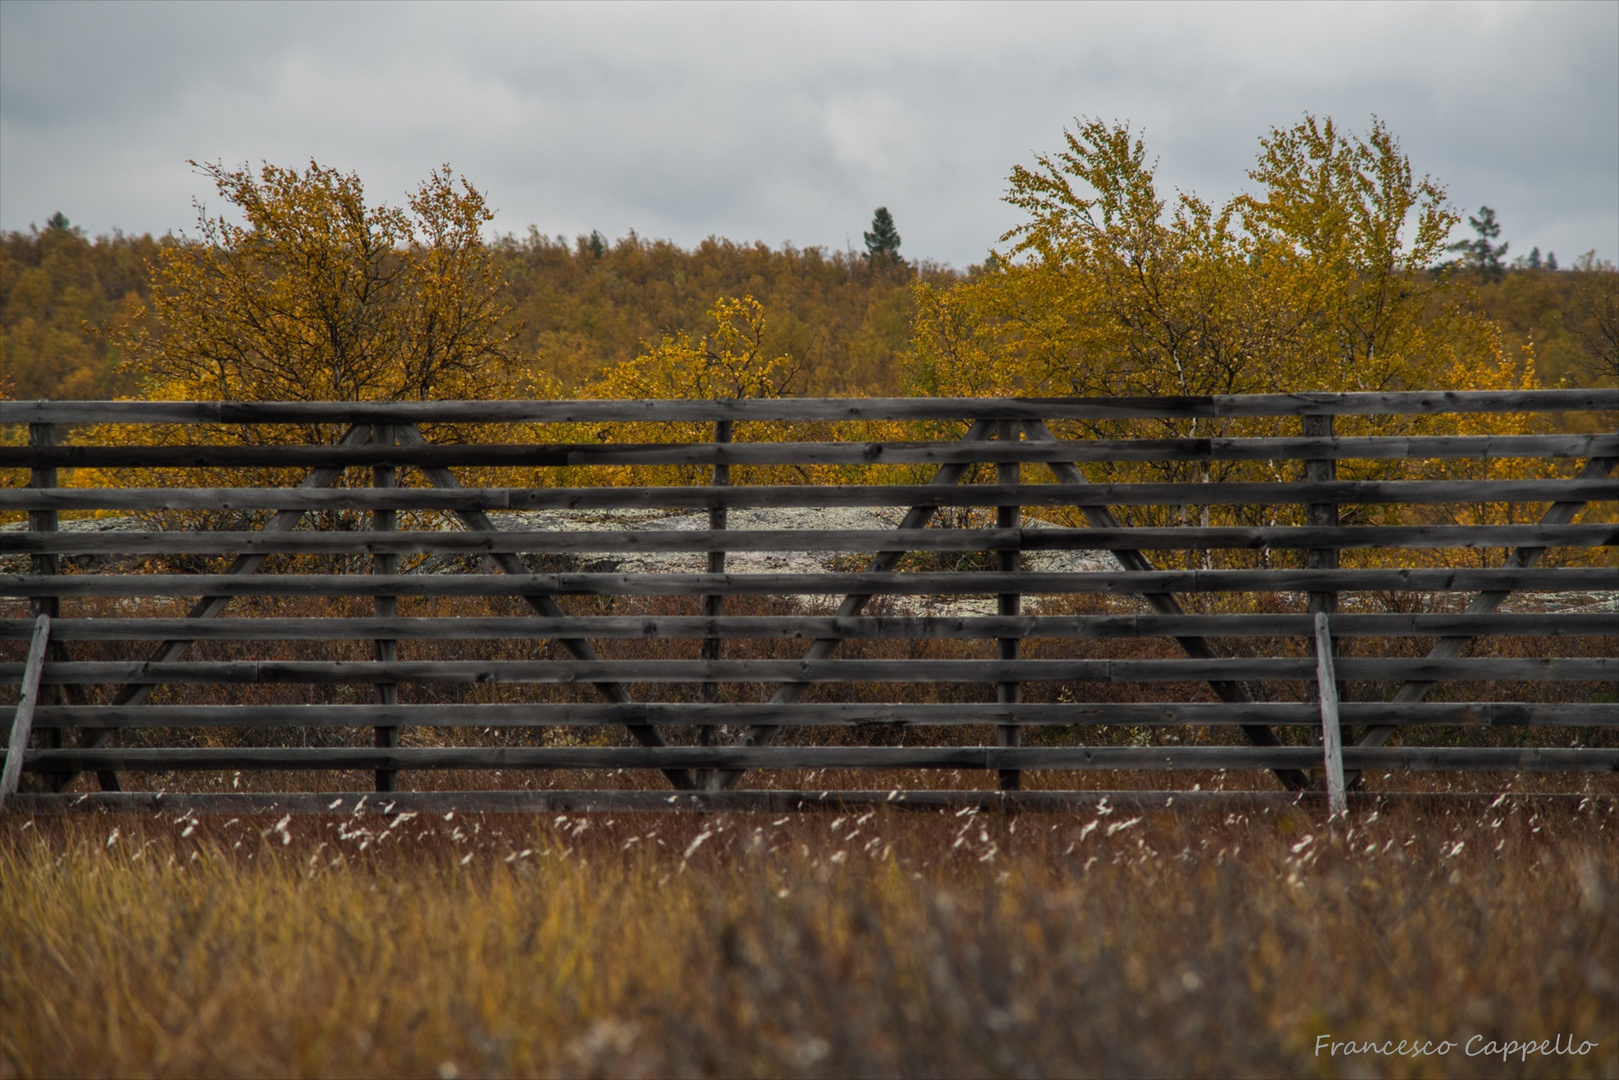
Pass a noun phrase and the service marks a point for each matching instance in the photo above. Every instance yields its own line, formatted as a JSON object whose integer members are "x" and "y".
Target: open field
{"x": 1199, "y": 943}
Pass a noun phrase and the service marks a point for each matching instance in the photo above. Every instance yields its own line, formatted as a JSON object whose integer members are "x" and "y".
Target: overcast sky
{"x": 791, "y": 123}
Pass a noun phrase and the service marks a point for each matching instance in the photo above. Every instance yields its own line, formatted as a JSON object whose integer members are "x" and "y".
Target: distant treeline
{"x": 844, "y": 319}
{"x": 583, "y": 306}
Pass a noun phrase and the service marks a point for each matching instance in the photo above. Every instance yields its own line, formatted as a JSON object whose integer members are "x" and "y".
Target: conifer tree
{"x": 1482, "y": 254}
{"x": 882, "y": 242}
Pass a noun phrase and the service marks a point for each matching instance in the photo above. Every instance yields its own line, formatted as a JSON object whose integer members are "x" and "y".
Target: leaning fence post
{"x": 385, "y": 607}
{"x": 1331, "y": 736}
{"x": 714, "y": 603}
{"x": 1008, "y": 604}
{"x": 23, "y": 722}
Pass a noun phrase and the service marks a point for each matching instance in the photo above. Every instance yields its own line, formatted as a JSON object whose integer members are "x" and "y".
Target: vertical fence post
{"x": 1008, "y": 561}
{"x": 1322, "y": 514}
{"x": 41, "y": 436}
{"x": 385, "y": 607}
{"x": 714, "y": 605}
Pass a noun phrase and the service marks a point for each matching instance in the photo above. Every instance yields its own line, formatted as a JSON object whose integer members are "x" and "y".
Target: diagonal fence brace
{"x": 209, "y": 607}
{"x": 1197, "y": 648}
{"x": 545, "y": 606}
{"x": 882, "y": 562}
{"x": 1449, "y": 648}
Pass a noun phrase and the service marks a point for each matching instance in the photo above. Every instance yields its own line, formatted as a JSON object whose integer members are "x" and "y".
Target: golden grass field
{"x": 1203, "y": 943}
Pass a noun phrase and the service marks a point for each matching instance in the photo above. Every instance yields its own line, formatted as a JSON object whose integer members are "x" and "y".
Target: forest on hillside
{"x": 581, "y": 306}
{"x": 1108, "y": 287}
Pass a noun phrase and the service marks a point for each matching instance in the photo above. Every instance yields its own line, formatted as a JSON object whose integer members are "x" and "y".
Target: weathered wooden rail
{"x": 1260, "y": 524}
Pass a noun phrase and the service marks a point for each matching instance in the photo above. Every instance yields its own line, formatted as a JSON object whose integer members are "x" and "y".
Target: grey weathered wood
{"x": 990, "y": 758}
{"x": 385, "y": 476}
{"x": 44, "y": 523}
{"x": 366, "y": 805}
{"x": 556, "y": 455}
{"x": 1331, "y": 735}
{"x": 541, "y": 602}
{"x": 1472, "y": 714}
{"x": 1008, "y": 604}
{"x": 463, "y": 627}
{"x": 1426, "y": 579}
{"x": 855, "y": 600}
{"x": 805, "y": 409}
{"x": 210, "y": 605}
{"x": 1318, "y": 491}
{"x": 795, "y": 672}
{"x": 713, "y": 646}
{"x": 1003, "y": 539}
{"x": 800, "y": 495}
{"x": 1101, "y": 516}
{"x": 1322, "y": 516}
{"x": 22, "y": 720}
{"x": 1488, "y": 600}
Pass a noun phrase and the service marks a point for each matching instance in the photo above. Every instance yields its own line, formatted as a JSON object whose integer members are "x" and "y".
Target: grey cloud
{"x": 791, "y": 122}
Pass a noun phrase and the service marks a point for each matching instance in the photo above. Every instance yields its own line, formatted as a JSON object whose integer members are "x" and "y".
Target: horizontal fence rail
{"x": 1567, "y": 624}
{"x": 1026, "y": 586}
{"x": 551, "y": 455}
{"x": 810, "y": 495}
{"x": 770, "y": 584}
{"x": 804, "y": 409}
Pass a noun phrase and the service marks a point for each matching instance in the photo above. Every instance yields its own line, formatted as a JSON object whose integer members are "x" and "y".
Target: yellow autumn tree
{"x": 729, "y": 362}
{"x": 314, "y": 295}
{"x": 304, "y": 291}
{"x": 1318, "y": 278}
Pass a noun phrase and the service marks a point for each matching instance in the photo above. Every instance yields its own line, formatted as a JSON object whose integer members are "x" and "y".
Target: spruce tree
{"x": 882, "y": 242}
{"x": 1482, "y": 254}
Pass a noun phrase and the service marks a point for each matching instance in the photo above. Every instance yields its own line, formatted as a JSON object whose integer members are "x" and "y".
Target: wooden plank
{"x": 1471, "y": 714}
{"x": 1331, "y": 735}
{"x": 542, "y": 603}
{"x": 22, "y": 720}
{"x": 713, "y": 647}
{"x": 209, "y": 606}
{"x": 1008, "y": 604}
{"x": 385, "y": 476}
{"x": 43, "y": 523}
{"x": 1489, "y": 599}
{"x": 465, "y": 627}
{"x": 989, "y": 758}
{"x": 803, "y": 409}
{"x": 855, "y": 599}
{"x": 1467, "y": 579}
{"x": 556, "y": 455}
{"x": 364, "y": 804}
{"x": 817, "y": 670}
{"x": 811, "y": 495}
{"x": 1322, "y": 516}
{"x": 1006, "y": 539}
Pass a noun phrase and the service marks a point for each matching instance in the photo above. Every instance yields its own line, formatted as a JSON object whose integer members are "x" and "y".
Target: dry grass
{"x": 894, "y": 943}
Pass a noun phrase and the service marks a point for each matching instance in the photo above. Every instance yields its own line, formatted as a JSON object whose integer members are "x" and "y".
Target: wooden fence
{"x": 1226, "y": 520}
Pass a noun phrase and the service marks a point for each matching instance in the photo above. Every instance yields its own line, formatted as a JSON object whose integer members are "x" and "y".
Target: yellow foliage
{"x": 317, "y": 296}
{"x": 728, "y": 363}
{"x": 1317, "y": 280}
